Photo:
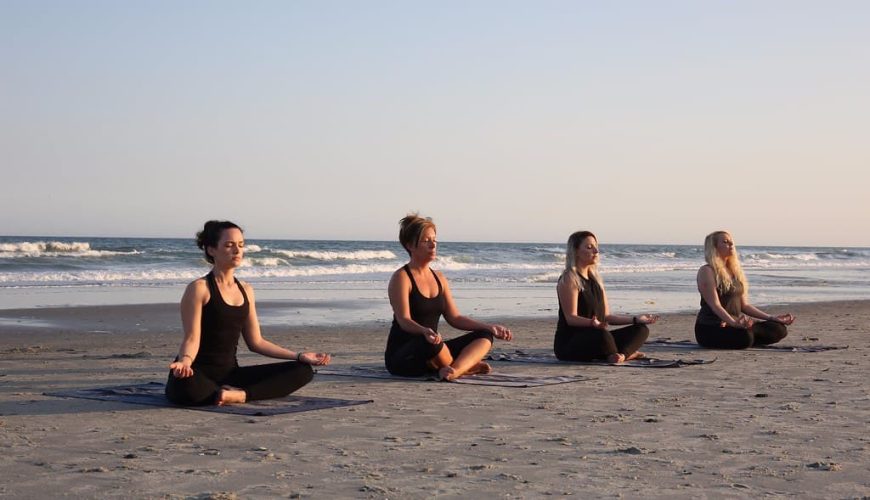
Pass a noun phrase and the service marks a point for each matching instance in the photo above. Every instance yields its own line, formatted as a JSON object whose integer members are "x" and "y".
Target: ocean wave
{"x": 264, "y": 261}
{"x": 767, "y": 256}
{"x": 182, "y": 275}
{"x": 338, "y": 255}
{"x": 98, "y": 277}
{"x": 252, "y": 248}
{"x": 36, "y": 249}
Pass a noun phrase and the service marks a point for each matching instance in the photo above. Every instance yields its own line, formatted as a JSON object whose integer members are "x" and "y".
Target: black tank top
{"x": 426, "y": 311}
{"x": 221, "y": 326}
{"x": 590, "y": 302}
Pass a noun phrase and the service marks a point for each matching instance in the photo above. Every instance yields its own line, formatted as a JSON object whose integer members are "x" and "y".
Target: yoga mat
{"x": 492, "y": 379}
{"x": 151, "y": 394}
{"x": 550, "y": 358}
{"x": 689, "y": 344}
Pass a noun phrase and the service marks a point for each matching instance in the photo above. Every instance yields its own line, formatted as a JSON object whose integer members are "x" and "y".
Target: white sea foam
{"x": 264, "y": 261}
{"x": 182, "y": 275}
{"x": 765, "y": 256}
{"x": 34, "y": 249}
{"x": 97, "y": 276}
{"x": 338, "y": 255}
{"x": 252, "y": 248}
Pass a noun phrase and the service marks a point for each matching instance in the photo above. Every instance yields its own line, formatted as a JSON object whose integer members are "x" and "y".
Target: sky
{"x": 645, "y": 122}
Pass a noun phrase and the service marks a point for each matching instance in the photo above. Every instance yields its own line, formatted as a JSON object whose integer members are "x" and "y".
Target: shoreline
{"x": 166, "y": 315}
{"x": 750, "y": 424}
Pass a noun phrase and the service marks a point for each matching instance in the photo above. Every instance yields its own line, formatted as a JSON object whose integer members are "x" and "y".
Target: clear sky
{"x": 643, "y": 121}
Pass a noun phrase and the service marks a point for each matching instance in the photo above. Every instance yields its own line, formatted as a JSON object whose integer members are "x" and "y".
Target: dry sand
{"x": 751, "y": 424}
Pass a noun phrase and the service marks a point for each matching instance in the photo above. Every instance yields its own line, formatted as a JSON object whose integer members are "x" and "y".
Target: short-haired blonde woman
{"x": 584, "y": 314}
{"x": 419, "y": 296}
{"x": 727, "y": 319}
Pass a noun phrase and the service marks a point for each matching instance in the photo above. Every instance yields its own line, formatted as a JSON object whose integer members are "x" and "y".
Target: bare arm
{"x": 751, "y": 310}
{"x": 460, "y": 322}
{"x": 256, "y": 343}
{"x": 195, "y": 296}
{"x": 568, "y": 293}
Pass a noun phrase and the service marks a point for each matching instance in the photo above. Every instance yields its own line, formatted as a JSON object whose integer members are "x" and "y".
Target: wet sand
{"x": 751, "y": 424}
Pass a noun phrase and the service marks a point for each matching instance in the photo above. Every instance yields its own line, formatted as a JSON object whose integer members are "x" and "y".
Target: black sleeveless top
{"x": 590, "y": 302}
{"x": 426, "y": 311}
{"x": 221, "y": 327}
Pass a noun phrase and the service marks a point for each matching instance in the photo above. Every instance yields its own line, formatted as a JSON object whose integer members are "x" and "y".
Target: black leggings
{"x": 268, "y": 381}
{"x": 587, "y": 344}
{"x": 718, "y": 337}
{"x": 411, "y": 358}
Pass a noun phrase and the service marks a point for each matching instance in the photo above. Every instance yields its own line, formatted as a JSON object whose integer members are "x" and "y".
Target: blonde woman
{"x": 584, "y": 314}
{"x": 727, "y": 319}
{"x": 419, "y": 296}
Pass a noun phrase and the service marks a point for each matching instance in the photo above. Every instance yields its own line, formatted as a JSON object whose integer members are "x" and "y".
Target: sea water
{"x": 329, "y": 282}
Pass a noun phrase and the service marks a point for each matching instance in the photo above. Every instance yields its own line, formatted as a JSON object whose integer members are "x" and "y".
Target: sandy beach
{"x": 751, "y": 424}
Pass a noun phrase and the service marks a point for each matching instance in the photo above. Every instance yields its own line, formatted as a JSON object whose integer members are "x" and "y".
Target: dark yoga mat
{"x": 690, "y": 344}
{"x": 151, "y": 394}
{"x": 550, "y": 358}
{"x": 492, "y": 379}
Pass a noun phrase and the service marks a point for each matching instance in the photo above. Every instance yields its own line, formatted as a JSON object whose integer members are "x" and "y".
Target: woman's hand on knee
{"x": 432, "y": 337}
{"x": 501, "y": 332}
{"x": 314, "y": 358}
{"x": 181, "y": 369}
{"x": 647, "y": 319}
{"x": 785, "y": 319}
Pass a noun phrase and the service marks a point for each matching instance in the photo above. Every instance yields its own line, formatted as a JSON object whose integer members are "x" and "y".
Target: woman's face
{"x": 230, "y": 248}
{"x": 725, "y": 246}
{"x": 427, "y": 246}
{"x": 586, "y": 254}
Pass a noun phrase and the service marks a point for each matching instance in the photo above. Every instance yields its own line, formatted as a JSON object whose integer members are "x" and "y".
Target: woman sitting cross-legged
{"x": 725, "y": 320}
{"x": 584, "y": 314}
{"x": 215, "y": 311}
{"x": 419, "y": 296}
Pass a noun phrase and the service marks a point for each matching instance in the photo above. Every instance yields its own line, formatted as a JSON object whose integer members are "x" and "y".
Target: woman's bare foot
{"x": 229, "y": 395}
{"x": 447, "y": 373}
{"x": 616, "y": 358}
{"x": 481, "y": 368}
{"x": 635, "y": 355}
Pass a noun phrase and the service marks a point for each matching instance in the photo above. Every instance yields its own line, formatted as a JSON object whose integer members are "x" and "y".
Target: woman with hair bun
{"x": 584, "y": 314}
{"x": 215, "y": 311}
{"x": 725, "y": 320}
{"x": 419, "y": 297}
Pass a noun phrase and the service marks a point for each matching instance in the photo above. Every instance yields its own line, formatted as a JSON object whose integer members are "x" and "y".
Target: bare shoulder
{"x": 197, "y": 286}
{"x": 706, "y": 277}
{"x": 567, "y": 282}
{"x": 197, "y": 290}
{"x": 399, "y": 276}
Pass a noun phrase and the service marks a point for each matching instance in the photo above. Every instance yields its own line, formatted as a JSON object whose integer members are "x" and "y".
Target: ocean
{"x": 337, "y": 282}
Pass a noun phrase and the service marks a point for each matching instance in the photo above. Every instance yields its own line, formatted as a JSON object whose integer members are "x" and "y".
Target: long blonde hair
{"x": 570, "y": 273}
{"x": 728, "y": 272}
